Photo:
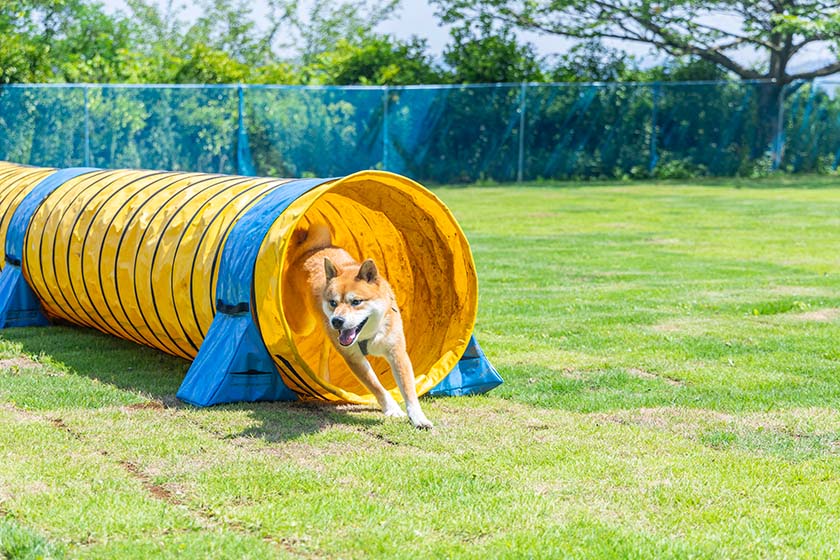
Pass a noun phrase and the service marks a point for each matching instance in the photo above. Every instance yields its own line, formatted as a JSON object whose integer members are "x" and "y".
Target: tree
{"x": 318, "y": 29}
{"x": 72, "y": 40}
{"x": 376, "y": 60}
{"x": 223, "y": 45}
{"x": 485, "y": 55}
{"x": 591, "y": 61}
{"x": 713, "y": 31}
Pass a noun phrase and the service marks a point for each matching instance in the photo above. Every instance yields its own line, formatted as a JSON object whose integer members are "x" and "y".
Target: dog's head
{"x": 354, "y": 301}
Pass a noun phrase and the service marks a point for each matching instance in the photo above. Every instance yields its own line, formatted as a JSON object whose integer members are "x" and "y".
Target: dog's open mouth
{"x": 346, "y": 337}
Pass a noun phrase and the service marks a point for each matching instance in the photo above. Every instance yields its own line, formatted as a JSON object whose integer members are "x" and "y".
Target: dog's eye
{"x": 356, "y": 302}
{"x": 333, "y": 303}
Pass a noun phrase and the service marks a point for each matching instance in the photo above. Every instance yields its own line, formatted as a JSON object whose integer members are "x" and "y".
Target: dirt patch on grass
{"x": 683, "y": 325}
{"x": 316, "y": 457}
{"x": 151, "y": 487}
{"x": 664, "y": 241}
{"x": 18, "y": 414}
{"x": 817, "y": 315}
{"x": 59, "y": 424}
{"x": 508, "y": 424}
{"x": 148, "y": 405}
{"x": 16, "y": 364}
{"x": 686, "y": 423}
{"x": 652, "y": 376}
{"x": 814, "y": 291}
{"x": 784, "y": 434}
{"x": 811, "y": 421}
{"x": 668, "y": 327}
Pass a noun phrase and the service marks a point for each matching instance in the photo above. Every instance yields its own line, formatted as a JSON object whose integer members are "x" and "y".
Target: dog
{"x": 360, "y": 316}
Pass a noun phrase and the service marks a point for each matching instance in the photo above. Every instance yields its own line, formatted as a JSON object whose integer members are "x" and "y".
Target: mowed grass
{"x": 672, "y": 390}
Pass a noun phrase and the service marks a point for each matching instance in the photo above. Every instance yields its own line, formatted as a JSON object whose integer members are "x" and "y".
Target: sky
{"x": 416, "y": 17}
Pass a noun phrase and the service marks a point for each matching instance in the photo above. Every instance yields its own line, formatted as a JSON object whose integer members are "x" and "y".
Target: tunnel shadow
{"x": 152, "y": 375}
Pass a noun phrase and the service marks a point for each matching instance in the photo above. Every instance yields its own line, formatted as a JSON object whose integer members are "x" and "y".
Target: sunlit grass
{"x": 672, "y": 390}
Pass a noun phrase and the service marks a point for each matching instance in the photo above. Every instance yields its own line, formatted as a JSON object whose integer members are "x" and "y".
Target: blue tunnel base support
{"x": 472, "y": 375}
{"x": 18, "y": 305}
{"x": 233, "y": 365}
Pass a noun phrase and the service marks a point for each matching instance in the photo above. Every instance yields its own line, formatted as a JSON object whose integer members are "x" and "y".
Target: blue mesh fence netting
{"x": 435, "y": 134}
{"x": 314, "y": 132}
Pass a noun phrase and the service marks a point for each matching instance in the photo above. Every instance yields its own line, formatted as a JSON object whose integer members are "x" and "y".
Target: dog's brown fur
{"x": 356, "y": 304}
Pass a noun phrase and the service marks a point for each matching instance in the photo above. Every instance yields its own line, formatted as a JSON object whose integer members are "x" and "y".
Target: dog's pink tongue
{"x": 347, "y": 336}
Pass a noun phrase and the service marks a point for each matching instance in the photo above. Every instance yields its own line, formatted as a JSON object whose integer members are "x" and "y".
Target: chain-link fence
{"x": 436, "y": 134}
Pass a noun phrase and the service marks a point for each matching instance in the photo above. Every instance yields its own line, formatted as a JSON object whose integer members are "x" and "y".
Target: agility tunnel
{"x": 202, "y": 266}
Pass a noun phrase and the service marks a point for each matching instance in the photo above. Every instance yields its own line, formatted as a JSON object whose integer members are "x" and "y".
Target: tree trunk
{"x": 768, "y": 124}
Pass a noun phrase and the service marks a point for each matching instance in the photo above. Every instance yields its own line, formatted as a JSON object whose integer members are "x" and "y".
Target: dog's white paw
{"x": 395, "y": 412}
{"x": 419, "y": 421}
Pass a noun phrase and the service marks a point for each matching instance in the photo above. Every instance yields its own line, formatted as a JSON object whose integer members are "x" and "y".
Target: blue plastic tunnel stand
{"x": 472, "y": 375}
{"x": 233, "y": 365}
{"x": 19, "y": 307}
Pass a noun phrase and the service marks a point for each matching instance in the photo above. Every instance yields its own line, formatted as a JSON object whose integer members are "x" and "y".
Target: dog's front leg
{"x": 361, "y": 368}
{"x": 404, "y": 376}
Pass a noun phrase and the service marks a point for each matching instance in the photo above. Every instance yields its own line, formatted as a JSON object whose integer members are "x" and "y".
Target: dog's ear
{"x": 368, "y": 272}
{"x": 330, "y": 269}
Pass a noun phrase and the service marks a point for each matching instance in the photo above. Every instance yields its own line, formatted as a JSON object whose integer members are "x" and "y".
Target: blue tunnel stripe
{"x": 239, "y": 255}
{"x": 30, "y": 203}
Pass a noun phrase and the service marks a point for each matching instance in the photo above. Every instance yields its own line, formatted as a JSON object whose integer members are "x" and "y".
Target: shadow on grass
{"x": 89, "y": 353}
{"x": 141, "y": 374}
{"x": 284, "y": 421}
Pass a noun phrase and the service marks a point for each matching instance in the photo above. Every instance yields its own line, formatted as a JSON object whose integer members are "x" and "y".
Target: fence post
{"x": 654, "y": 155}
{"x": 385, "y": 94}
{"x": 87, "y": 127}
{"x": 244, "y": 161}
{"x": 520, "y": 167}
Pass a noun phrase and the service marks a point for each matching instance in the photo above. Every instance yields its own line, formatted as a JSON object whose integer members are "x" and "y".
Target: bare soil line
{"x": 206, "y": 518}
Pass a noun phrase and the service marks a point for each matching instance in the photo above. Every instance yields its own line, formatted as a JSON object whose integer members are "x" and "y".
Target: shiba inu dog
{"x": 360, "y": 316}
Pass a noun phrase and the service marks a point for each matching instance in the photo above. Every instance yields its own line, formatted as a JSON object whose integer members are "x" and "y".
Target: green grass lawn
{"x": 672, "y": 373}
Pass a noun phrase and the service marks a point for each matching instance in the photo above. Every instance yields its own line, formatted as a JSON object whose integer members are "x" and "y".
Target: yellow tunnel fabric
{"x": 136, "y": 254}
{"x": 16, "y": 181}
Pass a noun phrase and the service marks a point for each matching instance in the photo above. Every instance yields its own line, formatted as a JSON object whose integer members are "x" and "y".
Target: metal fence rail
{"x": 436, "y": 134}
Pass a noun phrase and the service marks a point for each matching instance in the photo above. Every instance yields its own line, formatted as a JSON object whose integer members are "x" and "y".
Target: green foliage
{"x": 326, "y": 22}
{"x": 317, "y": 42}
{"x": 776, "y": 29}
{"x": 687, "y": 69}
{"x": 376, "y": 60}
{"x": 591, "y": 61}
{"x": 72, "y": 40}
{"x": 679, "y": 169}
{"x": 488, "y": 55}
{"x": 290, "y": 130}
{"x": 77, "y": 41}
{"x": 205, "y": 65}
{"x": 18, "y": 543}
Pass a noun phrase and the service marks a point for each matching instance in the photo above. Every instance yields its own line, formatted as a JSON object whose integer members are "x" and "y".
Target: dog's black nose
{"x": 337, "y": 322}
